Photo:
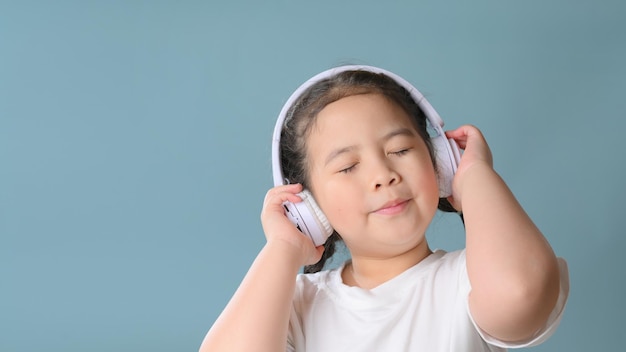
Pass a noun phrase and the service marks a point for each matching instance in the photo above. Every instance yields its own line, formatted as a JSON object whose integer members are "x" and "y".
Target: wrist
{"x": 469, "y": 177}
{"x": 290, "y": 250}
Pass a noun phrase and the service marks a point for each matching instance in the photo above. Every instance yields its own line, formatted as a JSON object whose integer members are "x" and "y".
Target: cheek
{"x": 431, "y": 188}
{"x": 340, "y": 219}
{"x": 337, "y": 203}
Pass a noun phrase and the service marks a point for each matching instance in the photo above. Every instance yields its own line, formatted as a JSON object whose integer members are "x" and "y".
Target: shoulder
{"x": 447, "y": 263}
{"x": 308, "y": 285}
{"x": 449, "y": 258}
{"x": 317, "y": 292}
{"x": 318, "y": 278}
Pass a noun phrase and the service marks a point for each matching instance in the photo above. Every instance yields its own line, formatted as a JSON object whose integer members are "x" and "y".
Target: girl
{"x": 356, "y": 138}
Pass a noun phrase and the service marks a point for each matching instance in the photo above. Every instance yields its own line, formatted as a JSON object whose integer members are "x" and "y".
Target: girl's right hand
{"x": 279, "y": 229}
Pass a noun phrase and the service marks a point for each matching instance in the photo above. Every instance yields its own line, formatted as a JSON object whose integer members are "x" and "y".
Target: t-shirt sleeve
{"x": 551, "y": 324}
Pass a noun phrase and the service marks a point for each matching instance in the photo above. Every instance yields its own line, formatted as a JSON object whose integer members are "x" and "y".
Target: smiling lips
{"x": 393, "y": 207}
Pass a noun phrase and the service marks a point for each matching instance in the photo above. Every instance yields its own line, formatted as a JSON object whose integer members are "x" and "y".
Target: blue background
{"x": 135, "y": 147}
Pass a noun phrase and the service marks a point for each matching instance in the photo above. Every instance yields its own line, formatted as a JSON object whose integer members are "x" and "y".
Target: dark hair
{"x": 301, "y": 116}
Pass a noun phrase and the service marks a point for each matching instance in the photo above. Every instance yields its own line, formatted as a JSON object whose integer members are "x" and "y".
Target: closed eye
{"x": 400, "y": 152}
{"x": 348, "y": 169}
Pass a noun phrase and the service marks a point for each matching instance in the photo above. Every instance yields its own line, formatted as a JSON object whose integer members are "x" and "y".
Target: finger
{"x": 464, "y": 135}
{"x": 465, "y": 130}
{"x": 460, "y": 141}
{"x": 455, "y": 132}
{"x": 278, "y": 199}
{"x": 275, "y": 201}
{"x": 291, "y": 188}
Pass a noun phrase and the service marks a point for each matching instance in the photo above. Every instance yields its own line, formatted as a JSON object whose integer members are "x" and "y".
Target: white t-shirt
{"x": 423, "y": 309}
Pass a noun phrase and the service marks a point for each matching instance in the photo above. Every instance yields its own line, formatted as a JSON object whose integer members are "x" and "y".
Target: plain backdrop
{"x": 135, "y": 148}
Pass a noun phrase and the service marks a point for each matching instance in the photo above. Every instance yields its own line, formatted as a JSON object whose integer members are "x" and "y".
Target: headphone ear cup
{"x": 320, "y": 219}
{"x": 448, "y": 156}
{"x": 309, "y": 218}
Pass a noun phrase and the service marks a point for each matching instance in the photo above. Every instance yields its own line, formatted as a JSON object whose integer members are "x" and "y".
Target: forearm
{"x": 257, "y": 316}
{"x": 512, "y": 268}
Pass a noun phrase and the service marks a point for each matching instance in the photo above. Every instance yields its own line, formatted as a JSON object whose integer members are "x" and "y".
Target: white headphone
{"x": 307, "y": 215}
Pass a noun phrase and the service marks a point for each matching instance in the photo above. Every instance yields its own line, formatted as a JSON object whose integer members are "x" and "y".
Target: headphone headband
{"x": 433, "y": 117}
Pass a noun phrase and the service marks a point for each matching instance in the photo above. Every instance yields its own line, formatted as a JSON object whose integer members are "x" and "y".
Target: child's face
{"x": 372, "y": 175}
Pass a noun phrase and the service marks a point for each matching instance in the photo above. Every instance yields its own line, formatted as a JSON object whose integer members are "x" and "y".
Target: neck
{"x": 370, "y": 272}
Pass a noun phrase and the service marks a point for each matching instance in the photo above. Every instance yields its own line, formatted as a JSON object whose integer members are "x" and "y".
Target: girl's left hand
{"x": 476, "y": 153}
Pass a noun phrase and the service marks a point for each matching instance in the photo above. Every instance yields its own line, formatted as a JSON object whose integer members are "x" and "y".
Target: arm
{"x": 257, "y": 316}
{"x": 512, "y": 269}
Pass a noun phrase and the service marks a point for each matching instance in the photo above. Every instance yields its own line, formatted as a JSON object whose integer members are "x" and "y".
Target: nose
{"x": 384, "y": 174}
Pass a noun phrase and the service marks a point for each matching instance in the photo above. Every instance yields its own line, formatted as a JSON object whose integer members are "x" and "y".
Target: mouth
{"x": 392, "y": 207}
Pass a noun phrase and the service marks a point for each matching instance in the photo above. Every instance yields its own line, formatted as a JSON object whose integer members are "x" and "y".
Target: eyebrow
{"x": 403, "y": 131}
